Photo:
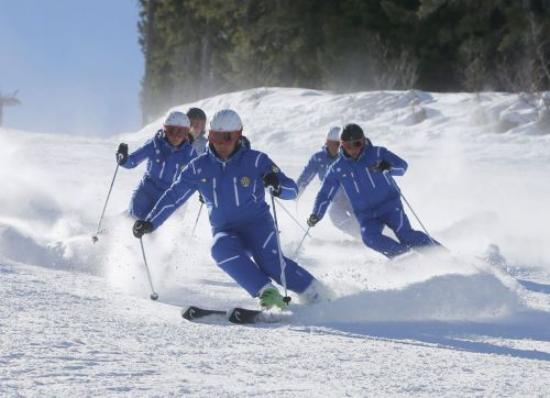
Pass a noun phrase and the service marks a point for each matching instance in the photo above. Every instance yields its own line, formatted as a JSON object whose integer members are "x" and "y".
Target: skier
{"x": 197, "y": 118}
{"x": 365, "y": 172}
{"x": 340, "y": 211}
{"x": 231, "y": 179}
{"x": 167, "y": 153}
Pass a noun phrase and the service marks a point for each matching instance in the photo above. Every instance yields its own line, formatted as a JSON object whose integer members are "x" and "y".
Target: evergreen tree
{"x": 197, "y": 48}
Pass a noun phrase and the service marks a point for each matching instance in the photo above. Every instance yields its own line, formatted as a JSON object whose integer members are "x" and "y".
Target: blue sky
{"x": 77, "y": 65}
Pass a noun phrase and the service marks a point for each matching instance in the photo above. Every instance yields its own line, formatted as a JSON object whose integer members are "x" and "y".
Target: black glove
{"x": 312, "y": 220}
{"x": 141, "y": 228}
{"x": 383, "y": 165}
{"x": 122, "y": 153}
{"x": 271, "y": 180}
{"x": 201, "y": 199}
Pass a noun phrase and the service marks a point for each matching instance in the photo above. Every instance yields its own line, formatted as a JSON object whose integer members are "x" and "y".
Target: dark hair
{"x": 352, "y": 132}
{"x": 196, "y": 113}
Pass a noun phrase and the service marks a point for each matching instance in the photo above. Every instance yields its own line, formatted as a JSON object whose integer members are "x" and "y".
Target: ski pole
{"x": 412, "y": 211}
{"x": 95, "y": 237}
{"x": 197, "y": 220}
{"x": 293, "y": 218}
{"x": 154, "y": 295}
{"x": 282, "y": 263}
{"x": 302, "y": 242}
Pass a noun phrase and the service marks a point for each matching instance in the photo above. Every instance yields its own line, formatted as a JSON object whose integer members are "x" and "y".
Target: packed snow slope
{"x": 76, "y": 318}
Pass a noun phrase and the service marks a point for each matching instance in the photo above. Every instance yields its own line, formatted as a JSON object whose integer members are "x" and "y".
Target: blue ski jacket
{"x": 164, "y": 161}
{"x": 370, "y": 192}
{"x": 318, "y": 165}
{"x": 233, "y": 190}
{"x": 199, "y": 144}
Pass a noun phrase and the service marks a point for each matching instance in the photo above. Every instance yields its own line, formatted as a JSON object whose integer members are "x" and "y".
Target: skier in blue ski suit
{"x": 197, "y": 118}
{"x": 365, "y": 172}
{"x": 340, "y": 211}
{"x": 232, "y": 179}
{"x": 167, "y": 153}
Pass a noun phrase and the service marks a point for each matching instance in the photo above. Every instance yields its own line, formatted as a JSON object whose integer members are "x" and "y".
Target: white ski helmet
{"x": 178, "y": 119}
{"x": 226, "y": 120}
{"x": 334, "y": 134}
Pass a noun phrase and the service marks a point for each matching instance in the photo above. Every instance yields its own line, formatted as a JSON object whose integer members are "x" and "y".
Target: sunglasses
{"x": 221, "y": 137}
{"x": 353, "y": 143}
{"x": 176, "y": 130}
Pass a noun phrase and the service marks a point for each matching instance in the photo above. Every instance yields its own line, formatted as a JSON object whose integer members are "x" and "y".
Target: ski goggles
{"x": 223, "y": 137}
{"x": 176, "y": 130}
{"x": 353, "y": 144}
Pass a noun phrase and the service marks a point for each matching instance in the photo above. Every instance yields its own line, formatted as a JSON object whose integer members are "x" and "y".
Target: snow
{"x": 76, "y": 317}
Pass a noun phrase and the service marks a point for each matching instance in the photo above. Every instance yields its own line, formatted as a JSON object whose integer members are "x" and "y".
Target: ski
{"x": 243, "y": 316}
{"x": 193, "y": 313}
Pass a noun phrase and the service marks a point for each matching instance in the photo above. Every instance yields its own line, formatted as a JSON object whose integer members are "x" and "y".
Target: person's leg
{"x": 143, "y": 199}
{"x": 399, "y": 223}
{"x": 261, "y": 240}
{"x": 230, "y": 255}
{"x": 371, "y": 232}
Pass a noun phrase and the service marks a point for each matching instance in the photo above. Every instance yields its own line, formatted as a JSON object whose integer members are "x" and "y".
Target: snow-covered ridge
{"x": 474, "y": 179}
{"x": 311, "y": 110}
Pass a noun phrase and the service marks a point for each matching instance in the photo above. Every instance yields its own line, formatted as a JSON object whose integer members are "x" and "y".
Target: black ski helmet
{"x": 196, "y": 113}
{"x": 352, "y": 132}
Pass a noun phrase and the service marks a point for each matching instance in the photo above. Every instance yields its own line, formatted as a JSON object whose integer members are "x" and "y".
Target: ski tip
{"x": 193, "y": 313}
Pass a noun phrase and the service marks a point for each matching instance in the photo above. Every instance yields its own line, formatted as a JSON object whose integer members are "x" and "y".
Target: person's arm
{"x": 174, "y": 197}
{"x": 391, "y": 163}
{"x": 283, "y": 186}
{"x": 139, "y": 155}
{"x": 308, "y": 173}
{"x": 328, "y": 190}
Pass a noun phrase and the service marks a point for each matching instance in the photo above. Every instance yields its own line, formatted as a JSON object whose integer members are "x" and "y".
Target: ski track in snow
{"x": 76, "y": 319}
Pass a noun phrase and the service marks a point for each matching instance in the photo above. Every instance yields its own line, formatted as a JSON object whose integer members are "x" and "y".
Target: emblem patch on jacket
{"x": 245, "y": 181}
{"x": 275, "y": 169}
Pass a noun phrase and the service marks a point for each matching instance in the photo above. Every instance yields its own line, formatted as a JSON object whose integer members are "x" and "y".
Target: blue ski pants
{"x": 144, "y": 198}
{"x": 249, "y": 254}
{"x": 398, "y": 222}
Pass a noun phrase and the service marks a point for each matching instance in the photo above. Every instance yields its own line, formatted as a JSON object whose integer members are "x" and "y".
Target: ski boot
{"x": 270, "y": 297}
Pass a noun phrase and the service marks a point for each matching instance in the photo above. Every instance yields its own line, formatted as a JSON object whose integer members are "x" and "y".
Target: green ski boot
{"x": 270, "y": 297}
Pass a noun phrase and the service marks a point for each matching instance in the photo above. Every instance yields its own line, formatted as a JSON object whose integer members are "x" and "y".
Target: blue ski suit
{"x": 244, "y": 236}
{"x": 340, "y": 212}
{"x": 164, "y": 164}
{"x": 199, "y": 144}
{"x": 374, "y": 197}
